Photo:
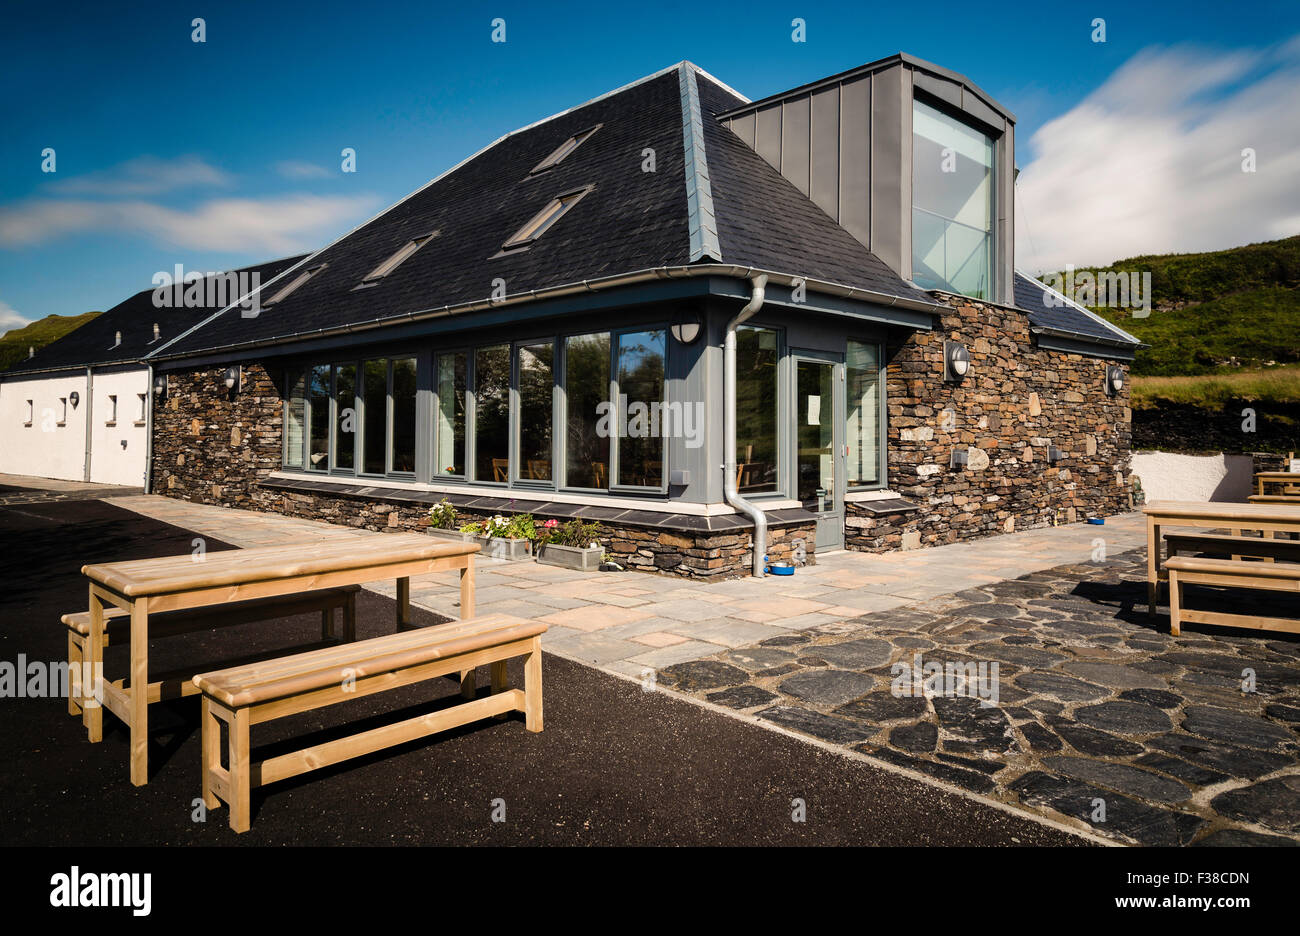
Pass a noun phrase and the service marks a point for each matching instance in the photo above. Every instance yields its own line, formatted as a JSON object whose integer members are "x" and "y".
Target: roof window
{"x": 544, "y": 220}
{"x": 294, "y": 284}
{"x": 563, "y": 150}
{"x": 396, "y": 260}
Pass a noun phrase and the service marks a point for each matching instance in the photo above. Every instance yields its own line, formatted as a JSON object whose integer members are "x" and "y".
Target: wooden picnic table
{"x": 1289, "y": 481}
{"x": 1267, "y": 518}
{"x": 145, "y": 586}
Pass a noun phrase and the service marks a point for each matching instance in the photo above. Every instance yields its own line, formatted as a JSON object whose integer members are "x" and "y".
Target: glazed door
{"x": 819, "y": 445}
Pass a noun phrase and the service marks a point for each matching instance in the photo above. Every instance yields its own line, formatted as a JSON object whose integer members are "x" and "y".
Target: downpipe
{"x": 730, "y": 487}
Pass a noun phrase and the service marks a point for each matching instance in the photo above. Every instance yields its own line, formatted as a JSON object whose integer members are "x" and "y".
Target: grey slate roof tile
{"x": 1049, "y": 309}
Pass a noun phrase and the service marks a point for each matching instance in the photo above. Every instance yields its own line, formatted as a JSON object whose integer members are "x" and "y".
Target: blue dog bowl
{"x": 781, "y": 568}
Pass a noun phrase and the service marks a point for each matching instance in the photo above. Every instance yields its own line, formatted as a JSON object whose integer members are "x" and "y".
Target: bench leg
{"x": 350, "y": 617}
{"x": 403, "y": 603}
{"x": 1153, "y": 563}
{"x": 240, "y": 772}
{"x": 210, "y": 739}
{"x": 138, "y": 703}
{"x": 1175, "y": 603}
{"x": 533, "y": 687}
{"x": 92, "y": 655}
{"x": 467, "y": 589}
{"x": 468, "y": 684}
{"x": 74, "y": 673}
{"x": 500, "y": 680}
{"x": 327, "y": 624}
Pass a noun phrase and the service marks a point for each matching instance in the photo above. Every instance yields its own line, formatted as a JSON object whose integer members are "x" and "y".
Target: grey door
{"x": 819, "y": 445}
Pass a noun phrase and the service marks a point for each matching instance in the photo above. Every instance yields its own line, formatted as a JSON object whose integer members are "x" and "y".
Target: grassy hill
{"x": 1219, "y": 312}
{"x": 14, "y": 344}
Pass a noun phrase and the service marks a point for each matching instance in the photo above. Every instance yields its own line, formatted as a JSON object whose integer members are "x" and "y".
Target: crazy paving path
{"x": 1098, "y": 715}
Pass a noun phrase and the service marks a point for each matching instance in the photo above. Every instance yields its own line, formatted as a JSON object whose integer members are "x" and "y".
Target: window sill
{"x": 138, "y": 422}
{"x": 110, "y": 423}
{"x": 27, "y": 425}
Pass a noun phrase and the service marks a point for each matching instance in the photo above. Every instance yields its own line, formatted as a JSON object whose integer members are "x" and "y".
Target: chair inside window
{"x": 501, "y": 469}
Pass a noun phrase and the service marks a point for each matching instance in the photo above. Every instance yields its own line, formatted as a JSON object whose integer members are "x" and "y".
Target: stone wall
{"x": 215, "y": 447}
{"x": 1016, "y": 402}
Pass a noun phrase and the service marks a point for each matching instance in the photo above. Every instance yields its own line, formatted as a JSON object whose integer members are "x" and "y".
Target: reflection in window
{"x": 952, "y": 204}
{"x": 756, "y": 415}
{"x": 294, "y": 416}
{"x": 862, "y": 375}
{"x": 319, "y": 397}
{"x": 492, "y": 414}
{"x": 536, "y": 394}
{"x": 640, "y": 388}
{"x": 404, "y": 415}
{"x": 449, "y": 457}
{"x": 345, "y": 402}
{"x": 375, "y": 395}
{"x": 586, "y": 378}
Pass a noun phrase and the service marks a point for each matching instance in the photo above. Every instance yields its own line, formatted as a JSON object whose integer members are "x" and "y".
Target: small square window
{"x": 564, "y": 149}
{"x": 544, "y": 220}
{"x": 112, "y": 410}
{"x": 30, "y": 410}
{"x": 142, "y": 401}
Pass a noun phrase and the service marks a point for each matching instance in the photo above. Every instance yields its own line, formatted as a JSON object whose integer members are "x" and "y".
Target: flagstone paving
{"x": 1095, "y": 714}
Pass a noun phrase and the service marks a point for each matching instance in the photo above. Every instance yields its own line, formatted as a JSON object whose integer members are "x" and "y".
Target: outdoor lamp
{"x": 232, "y": 378}
{"x": 159, "y": 385}
{"x": 74, "y": 398}
{"x": 1114, "y": 380}
{"x": 956, "y": 361}
{"x": 687, "y": 329}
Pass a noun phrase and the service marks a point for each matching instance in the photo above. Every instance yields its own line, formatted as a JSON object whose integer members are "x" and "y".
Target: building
{"x": 578, "y": 320}
{"x": 79, "y": 408}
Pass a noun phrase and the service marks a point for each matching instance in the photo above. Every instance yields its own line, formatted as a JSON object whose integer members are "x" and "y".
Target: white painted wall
{"x": 46, "y": 449}
{"x": 1169, "y": 476}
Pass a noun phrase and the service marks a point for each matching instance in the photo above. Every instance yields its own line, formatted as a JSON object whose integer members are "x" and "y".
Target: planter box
{"x": 456, "y": 536}
{"x": 498, "y": 547}
{"x": 582, "y": 558}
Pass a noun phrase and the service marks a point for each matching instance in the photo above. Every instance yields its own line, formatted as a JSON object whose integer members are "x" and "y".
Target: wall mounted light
{"x": 159, "y": 385}
{"x": 956, "y": 362}
{"x": 74, "y": 398}
{"x": 957, "y": 461}
{"x": 687, "y": 329}
{"x": 232, "y": 378}
{"x": 1114, "y": 380}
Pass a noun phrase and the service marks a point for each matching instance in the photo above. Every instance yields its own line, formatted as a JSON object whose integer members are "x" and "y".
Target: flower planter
{"x": 456, "y": 536}
{"x": 498, "y": 547}
{"x": 582, "y": 558}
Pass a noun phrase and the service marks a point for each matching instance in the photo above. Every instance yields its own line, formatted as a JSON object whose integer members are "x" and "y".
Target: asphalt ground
{"x": 616, "y": 765}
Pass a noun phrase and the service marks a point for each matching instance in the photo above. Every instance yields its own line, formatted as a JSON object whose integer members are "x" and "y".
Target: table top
{"x": 169, "y": 574}
{"x": 1278, "y": 476}
{"x": 1223, "y": 511}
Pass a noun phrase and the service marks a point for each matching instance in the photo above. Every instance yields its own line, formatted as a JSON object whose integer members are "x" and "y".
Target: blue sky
{"x": 223, "y": 153}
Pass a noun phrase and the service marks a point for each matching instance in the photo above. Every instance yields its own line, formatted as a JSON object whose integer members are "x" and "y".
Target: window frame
{"x": 615, "y": 388}
{"x": 31, "y": 413}
{"x": 562, "y": 342}
{"x": 551, "y": 214}
{"x": 112, "y": 410}
{"x": 395, "y": 260}
{"x": 882, "y": 415}
{"x": 293, "y": 285}
{"x": 516, "y": 417}
{"x": 436, "y": 409}
{"x": 564, "y": 150}
{"x": 786, "y": 457}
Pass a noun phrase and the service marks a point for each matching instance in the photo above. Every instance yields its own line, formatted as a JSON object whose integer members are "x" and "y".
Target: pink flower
{"x": 551, "y": 523}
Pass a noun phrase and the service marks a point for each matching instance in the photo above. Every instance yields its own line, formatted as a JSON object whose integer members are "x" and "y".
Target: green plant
{"x": 443, "y": 515}
{"x": 519, "y": 526}
{"x": 574, "y": 533}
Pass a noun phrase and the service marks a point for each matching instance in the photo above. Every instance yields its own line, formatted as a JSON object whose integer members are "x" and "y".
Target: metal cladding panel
{"x": 743, "y": 127}
{"x": 976, "y": 108}
{"x": 941, "y": 88}
{"x": 889, "y": 200}
{"x": 794, "y": 142}
{"x": 1006, "y": 193}
{"x": 824, "y": 184}
{"x": 855, "y": 158}
{"x": 767, "y": 136}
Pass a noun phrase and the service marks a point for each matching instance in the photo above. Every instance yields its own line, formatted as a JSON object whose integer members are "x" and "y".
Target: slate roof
{"x": 630, "y": 221}
{"x": 1047, "y": 308}
{"x": 93, "y": 343}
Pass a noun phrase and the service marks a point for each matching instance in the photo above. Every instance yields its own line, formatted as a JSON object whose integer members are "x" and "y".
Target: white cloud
{"x": 276, "y": 225}
{"x": 1151, "y": 162}
{"x": 146, "y": 175}
{"x": 298, "y": 169}
{"x": 10, "y": 319}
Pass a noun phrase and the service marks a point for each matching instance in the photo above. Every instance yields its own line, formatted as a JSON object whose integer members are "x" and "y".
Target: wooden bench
{"x": 117, "y": 630}
{"x": 1229, "y": 573}
{"x": 1234, "y": 547}
{"x": 1274, "y": 498}
{"x": 249, "y": 695}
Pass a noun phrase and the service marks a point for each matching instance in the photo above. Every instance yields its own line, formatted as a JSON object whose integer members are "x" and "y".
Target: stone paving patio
{"x": 1096, "y": 705}
{"x": 19, "y": 489}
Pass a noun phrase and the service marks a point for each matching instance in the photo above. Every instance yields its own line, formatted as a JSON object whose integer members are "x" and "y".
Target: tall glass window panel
{"x": 639, "y": 422}
{"x": 318, "y": 453}
{"x": 536, "y": 398}
{"x": 756, "y": 410}
{"x": 862, "y": 375}
{"x": 375, "y": 394}
{"x": 295, "y": 417}
{"x": 345, "y": 415}
{"x": 586, "y": 392}
{"x": 403, "y": 446}
{"x": 449, "y": 454}
{"x": 815, "y": 435}
{"x": 952, "y": 204}
{"x": 492, "y": 414}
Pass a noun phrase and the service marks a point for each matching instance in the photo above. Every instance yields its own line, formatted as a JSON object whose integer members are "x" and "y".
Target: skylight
{"x": 544, "y": 219}
{"x": 294, "y": 284}
{"x": 564, "y": 149}
{"x": 393, "y": 262}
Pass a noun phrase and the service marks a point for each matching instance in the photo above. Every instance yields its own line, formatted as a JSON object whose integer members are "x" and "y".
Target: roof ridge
{"x": 700, "y": 219}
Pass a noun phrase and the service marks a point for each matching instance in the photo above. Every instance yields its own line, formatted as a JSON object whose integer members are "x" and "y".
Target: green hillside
{"x": 14, "y": 344}
{"x": 1218, "y": 312}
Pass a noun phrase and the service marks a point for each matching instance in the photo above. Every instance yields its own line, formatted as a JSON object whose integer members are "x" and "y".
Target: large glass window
{"x": 586, "y": 393}
{"x": 375, "y": 395}
{"x": 492, "y": 414}
{"x": 952, "y": 204}
{"x": 862, "y": 375}
{"x": 295, "y": 415}
{"x": 449, "y": 454}
{"x": 404, "y": 370}
{"x": 536, "y": 398}
{"x": 345, "y": 415}
{"x": 319, "y": 397}
{"x": 756, "y": 409}
{"x": 640, "y": 403}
